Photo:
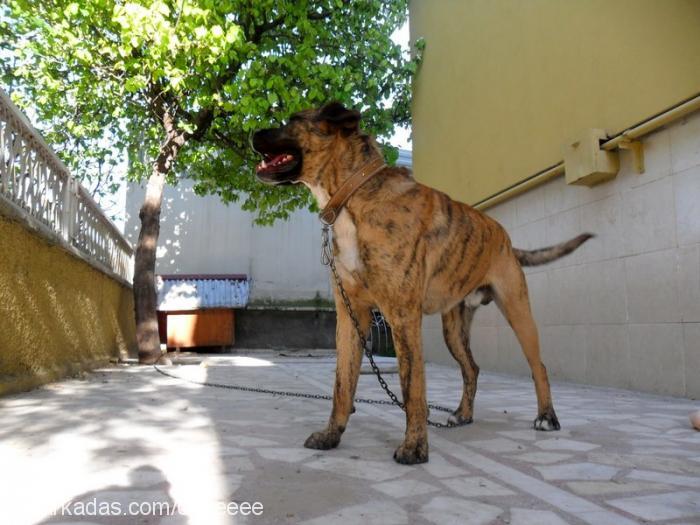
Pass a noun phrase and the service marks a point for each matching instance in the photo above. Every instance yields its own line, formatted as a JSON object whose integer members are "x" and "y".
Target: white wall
{"x": 624, "y": 310}
{"x": 202, "y": 235}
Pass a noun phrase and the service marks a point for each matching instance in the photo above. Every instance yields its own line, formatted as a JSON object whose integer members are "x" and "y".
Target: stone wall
{"x": 58, "y": 314}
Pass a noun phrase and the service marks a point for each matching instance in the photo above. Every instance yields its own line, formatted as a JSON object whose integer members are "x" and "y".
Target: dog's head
{"x": 296, "y": 151}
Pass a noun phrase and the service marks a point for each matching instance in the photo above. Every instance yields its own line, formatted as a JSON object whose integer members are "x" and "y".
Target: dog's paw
{"x": 412, "y": 454}
{"x": 323, "y": 440}
{"x": 547, "y": 421}
{"x": 458, "y": 419}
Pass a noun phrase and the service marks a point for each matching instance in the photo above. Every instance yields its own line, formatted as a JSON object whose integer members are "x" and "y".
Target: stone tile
{"x": 358, "y": 468}
{"x": 289, "y": 455}
{"x": 439, "y": 467}
{"x": 543, "y": 458}
{"x": 596, "y": 488}
{"x": 232, "y": 451}
{"x": 566, "y": 444}
{"x": 497, "y": 445}
{"x": 510, "y": 357}
{"x": 522, "y": 435}
{"x": 604, "y": 517}
{"x": 538, "y": 291}
{"x": 372, "y": 513}
{"x": 651, "y": 280}
{"x": 662, "y": 477}
{"x": 647, "y": 223}
{"x": 569, "y": 300}
{"x": 565, "y": 351}
{"x": 662, "y": 451}
{"x": 529, "y": 207}
{"x": 238, "y": 464}
{"x": 534, "y": 517}
{"x": 656, "y": 507}
{"x": 530, "y": 236}
{"x": 691, "y": 343}
{"x": 654, "y": 369}
{"x": 452, "y": 511}
{"x": 605, "y": 281}
{"x": 608, "y": 362}
{"x": 661, "y": 423}
{"x": 604, "y": 219}
{"x": 250, "y": 441}
{"x": 637, "y": 461}
{"x": 686, "y": 187}
{"x": 689, "y": 283}
{"x": 685, "y": 144}
{"x": 633, "y": 428}
{"x": 504, "y": 213}
{"x": 404, "y": 488}
{"x": 559, "y": 196}
{"x": 582, "y": 471}
{"x": 487, "y": 316}
{"x": 474, "y": 487}
{"x": 484, "y": 339}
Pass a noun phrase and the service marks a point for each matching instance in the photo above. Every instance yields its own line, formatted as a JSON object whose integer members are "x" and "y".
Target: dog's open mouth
{"x": 277, "y": 163}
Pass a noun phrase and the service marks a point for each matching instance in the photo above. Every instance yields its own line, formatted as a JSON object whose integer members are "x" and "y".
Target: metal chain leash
{"x": 257, "y": 390}
{"x": 327, "y": 259}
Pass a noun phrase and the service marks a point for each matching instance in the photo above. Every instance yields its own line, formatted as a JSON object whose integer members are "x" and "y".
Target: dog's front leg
{"x": 406, "y": 332}
{"x": 347, "y": 371}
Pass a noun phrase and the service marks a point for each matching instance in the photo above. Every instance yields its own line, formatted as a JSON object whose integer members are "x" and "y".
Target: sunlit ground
{"x": 130, "y": 436}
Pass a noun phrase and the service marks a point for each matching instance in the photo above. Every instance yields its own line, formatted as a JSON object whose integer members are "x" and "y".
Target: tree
{"x": 180, "y": 85}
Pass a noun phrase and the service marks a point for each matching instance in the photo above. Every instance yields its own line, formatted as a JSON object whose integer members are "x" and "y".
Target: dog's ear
{"x": 339, "y": 117}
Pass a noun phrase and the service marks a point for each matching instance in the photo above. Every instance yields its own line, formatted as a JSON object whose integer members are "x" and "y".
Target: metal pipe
{"x": 654, "y": 123}
{"x": 532, "y": 181}
{"x": 646, "y": 127}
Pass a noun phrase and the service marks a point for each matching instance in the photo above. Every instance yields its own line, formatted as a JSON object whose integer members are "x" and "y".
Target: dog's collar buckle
{"x": 332, "y": 210}
{"x": 328, "y": 216}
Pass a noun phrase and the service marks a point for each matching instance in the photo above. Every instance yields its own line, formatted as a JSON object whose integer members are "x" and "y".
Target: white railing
{"x": 34, "y": 181}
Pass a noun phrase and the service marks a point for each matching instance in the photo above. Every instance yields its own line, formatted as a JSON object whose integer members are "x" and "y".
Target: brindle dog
{"x": 407, "y": 250}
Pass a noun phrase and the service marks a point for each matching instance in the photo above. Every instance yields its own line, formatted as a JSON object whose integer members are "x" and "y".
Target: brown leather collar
{"x": 330, "y": 213}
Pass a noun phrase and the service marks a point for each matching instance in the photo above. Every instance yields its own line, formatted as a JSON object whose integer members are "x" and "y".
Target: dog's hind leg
{"x": 456, "y": 324}
{"x": 512, "y": 299}
{"x": 347, "y": 372}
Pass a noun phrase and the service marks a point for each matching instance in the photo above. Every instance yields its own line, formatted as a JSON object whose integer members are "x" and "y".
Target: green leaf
{"x": 98, "y": 74}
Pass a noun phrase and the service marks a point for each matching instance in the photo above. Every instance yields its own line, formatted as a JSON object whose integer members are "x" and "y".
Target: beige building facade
{"x": 624, "y": 310}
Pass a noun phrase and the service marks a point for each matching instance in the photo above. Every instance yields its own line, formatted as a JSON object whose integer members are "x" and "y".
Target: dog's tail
{"x": 551, "y": 253}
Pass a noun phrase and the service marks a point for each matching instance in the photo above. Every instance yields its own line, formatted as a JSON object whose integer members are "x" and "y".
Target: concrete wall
{"x": 505, "y": 83}
{"x": 58, "y": 315}
{"x": 202, "y": 235}
{"x": 624, "y": 310}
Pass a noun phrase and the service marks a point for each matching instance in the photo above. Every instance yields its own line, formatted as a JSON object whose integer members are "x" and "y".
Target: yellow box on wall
{"x": 586, "y": 163}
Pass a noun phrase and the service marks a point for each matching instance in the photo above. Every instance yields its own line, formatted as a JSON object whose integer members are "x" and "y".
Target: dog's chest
{"x": 346, "y": 254}
{"x": 345, "y": 235}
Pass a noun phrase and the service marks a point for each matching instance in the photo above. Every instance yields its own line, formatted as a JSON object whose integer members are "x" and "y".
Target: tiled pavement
{"x": 129, "y": 435}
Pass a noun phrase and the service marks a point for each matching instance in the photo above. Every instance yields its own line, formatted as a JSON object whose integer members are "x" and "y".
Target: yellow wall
{"x": 58, "y": 315}
{"x": 505, "y": 83}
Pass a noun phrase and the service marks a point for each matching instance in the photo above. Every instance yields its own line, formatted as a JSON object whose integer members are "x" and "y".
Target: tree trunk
{"x": 145, "y": 296}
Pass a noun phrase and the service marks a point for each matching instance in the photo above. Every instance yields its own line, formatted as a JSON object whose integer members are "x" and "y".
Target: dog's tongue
{"x": 275, "y": 161}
